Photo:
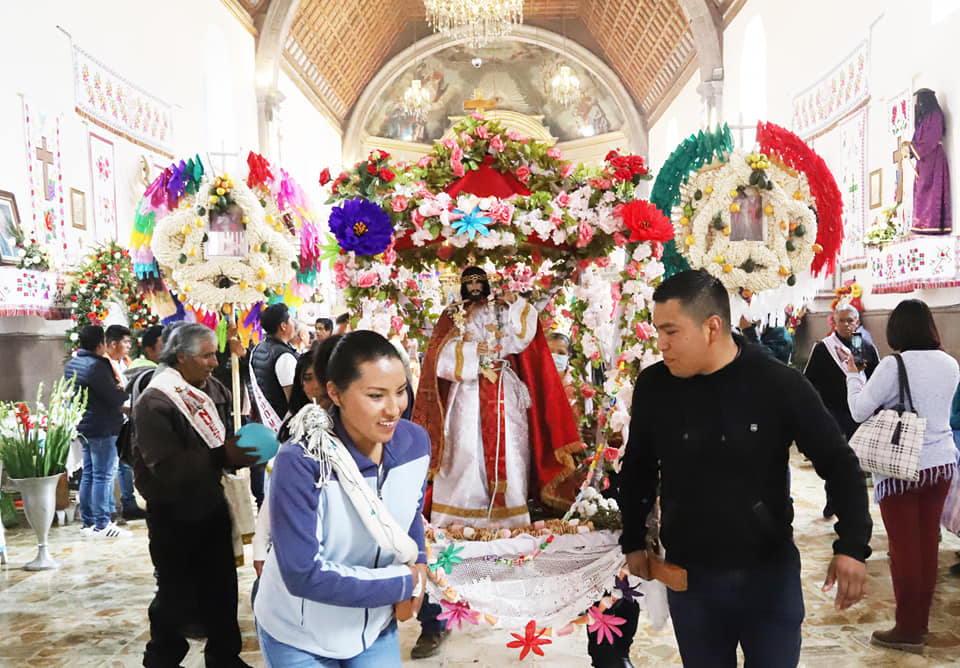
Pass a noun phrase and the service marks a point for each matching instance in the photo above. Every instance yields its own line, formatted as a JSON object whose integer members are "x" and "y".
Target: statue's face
{"x": 475, "y": 288}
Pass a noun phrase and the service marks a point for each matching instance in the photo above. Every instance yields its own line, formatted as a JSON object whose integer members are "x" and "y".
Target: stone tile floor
{"x": 92, "y": 611}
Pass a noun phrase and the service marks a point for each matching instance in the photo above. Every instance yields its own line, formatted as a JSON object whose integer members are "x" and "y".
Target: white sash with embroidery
{"x": 268, "y": 416}
{"x": 199, "y": 409}
{"x": 838, "y": 351}
{"x": 313, "y": 427}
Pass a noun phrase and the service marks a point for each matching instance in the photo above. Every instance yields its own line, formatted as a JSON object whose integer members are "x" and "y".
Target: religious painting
{"x": 226, "y": 237}
{"x": 104, "y": 190}
{"x": 78, "y": 208}
{"x": 9, "y": 224}
{"x": 876, "y": 188}
{"x": 746, "y": 224}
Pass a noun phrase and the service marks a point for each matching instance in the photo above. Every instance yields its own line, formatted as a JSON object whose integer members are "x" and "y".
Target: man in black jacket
{"x": 711, "y": 427}
{"x": 98, "y": 431}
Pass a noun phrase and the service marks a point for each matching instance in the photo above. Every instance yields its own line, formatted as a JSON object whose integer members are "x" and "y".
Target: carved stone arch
{"x": 706, "y": 24}
{"x": 273, "y": 34}
{"x": 635, "y": 126}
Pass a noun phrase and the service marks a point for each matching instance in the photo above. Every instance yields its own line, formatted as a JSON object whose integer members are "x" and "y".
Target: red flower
{"x": 325, "y": 176}
{"x": 387, "y": 174}
{"x": 523, "y": 173}
{"x": 611, "y": 155}
{"x": 636, "y": 164}
{"x": 623, "y": 174}
{"x": 644, "y": 221}
{"x": 530, "y": 641}
{"x": 444, "y": 252}
{"x": 371, "y": 169}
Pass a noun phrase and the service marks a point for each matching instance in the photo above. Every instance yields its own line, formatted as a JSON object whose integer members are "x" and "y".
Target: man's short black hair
{"x": 117, "y": 333}
{"x": 343, "y": 319}
{"x": 151, "y": 336}
{"x": 273, "y": 316}
{"x": 700, "y": 294}
{"x": 325, "y": 323}
{"x": 91, "y": 337}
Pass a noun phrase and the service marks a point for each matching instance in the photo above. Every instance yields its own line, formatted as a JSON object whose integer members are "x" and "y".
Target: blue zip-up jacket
{"x": 327, "y": 587}
{"x": 104, "y": 415}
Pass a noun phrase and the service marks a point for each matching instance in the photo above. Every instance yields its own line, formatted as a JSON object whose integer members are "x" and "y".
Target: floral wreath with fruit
{"x": 103, "y": 277}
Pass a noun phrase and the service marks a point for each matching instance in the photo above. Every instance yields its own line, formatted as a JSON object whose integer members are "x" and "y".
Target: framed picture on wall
{"x": 78, "y": 208}
{"x": 9, "y": 224}
{"x": 876, "y": 188}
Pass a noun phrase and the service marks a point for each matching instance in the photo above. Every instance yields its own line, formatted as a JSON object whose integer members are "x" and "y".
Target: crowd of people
{"x": 484, "y": 437}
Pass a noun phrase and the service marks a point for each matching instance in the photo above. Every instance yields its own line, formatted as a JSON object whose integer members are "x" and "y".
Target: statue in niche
{"x": 226, "y": 237}
{"x": 931, "y": 190}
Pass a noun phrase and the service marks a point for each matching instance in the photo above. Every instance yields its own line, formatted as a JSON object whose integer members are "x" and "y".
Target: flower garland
{"x": 710, "y": 204}
{"x": 105, "y": 276}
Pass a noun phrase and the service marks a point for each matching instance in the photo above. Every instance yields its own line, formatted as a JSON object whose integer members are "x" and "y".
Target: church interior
{"x": 198, "y": 160}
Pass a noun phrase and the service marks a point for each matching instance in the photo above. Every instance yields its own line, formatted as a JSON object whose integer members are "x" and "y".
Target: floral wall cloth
{"x": 42, "y": 140}
{"x": 921, "y": 262}
{"x": 104, "y": 188}
{"x": 24, "y": 292}
{"x": 112, "y": 102}
{"x": 853, "y": 134}
{"x": 837, "y": 93}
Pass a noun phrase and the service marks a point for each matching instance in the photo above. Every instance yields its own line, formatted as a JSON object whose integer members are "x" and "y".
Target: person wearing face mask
{"x": 345, "y": 513}
{"x": 560, "y": 351}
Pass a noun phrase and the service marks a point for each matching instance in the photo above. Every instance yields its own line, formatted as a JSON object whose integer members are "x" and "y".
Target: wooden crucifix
{"x": 45, "y": 156}
{"x": 478, "y": 104}
{"x": 903, "y": 152}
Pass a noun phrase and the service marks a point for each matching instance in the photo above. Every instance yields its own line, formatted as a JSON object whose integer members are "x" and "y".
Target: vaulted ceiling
{"x": 337, "y": 47}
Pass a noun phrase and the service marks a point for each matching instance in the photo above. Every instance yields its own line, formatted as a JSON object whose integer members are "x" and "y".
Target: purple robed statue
{"x": 931, "y": 190}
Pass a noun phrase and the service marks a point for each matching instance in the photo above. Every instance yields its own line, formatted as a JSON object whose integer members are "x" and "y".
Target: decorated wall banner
{"x": 103, "y": 187}
{"x": 107, "y": 99}
{"x": 836, "y": 93}
{"x": 42, "y": 134}
{"x": 24, "y": 292}
{"x": 921, "y": 262}
{"x": 853, "y": 177}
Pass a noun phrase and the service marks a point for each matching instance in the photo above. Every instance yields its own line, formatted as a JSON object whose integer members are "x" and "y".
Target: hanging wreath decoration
{"x": 105, "y": 276}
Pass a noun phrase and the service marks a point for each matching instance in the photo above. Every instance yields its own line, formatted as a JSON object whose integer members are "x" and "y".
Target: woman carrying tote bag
{"x": 911, "y": 510}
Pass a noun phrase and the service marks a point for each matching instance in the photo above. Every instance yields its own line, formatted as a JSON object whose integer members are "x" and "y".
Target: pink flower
{"x": 342, "y": 281}
{"x": 501, "y": 211}
{"x": 466, "y": 139}
{"x": 632, "y": 269}
{"x": 602, "y": 262}
{"x": 482, "y": 131}
{"x": 399, "y": 203}
{"x": 554, "y": 153}
{"x": 562, "y": 199}
{"x": 390, "y": 255}
{"x": 657, "y": 248}
{"x": 457, "y": 153}
{"x": 619, "y": 239}
{"x": 367, "y": 279}
{"x": 523, "y": 173}
{"x": 458, "y": 613}
{"x": 457, "y": 167}
{"x": 513, "y": 135}
{"x": 417, "y": 218}
{"x": 412, "y": 285}
{"x": 615, "y": 292}
{"x": 584, "y": 234}
{"x": 476, "y": 115}
{"x": 396, "y": 322}
{"x": 645, "y": 330}
{"x": 610, "y": 454}
{"x": 425, "y": 161}
{"x": 605, "y": 626}
{"x": 496, "y": 143}
{"x": 567, "y": 170}
{"x": 449, "y": 143}
{"x": 587, "y": 392}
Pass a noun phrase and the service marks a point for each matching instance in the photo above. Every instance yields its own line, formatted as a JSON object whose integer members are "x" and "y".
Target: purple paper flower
{"x": 361, "y": 226}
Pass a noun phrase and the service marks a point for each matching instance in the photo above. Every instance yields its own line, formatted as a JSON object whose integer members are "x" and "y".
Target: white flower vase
{"x": 39, "y": 497}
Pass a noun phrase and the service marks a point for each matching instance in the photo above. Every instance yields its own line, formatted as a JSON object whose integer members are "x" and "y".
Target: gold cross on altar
{"x": 478, "y": 104}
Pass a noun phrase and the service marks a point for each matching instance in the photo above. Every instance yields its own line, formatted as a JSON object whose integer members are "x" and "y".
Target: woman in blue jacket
{"x": 345, "y": 513}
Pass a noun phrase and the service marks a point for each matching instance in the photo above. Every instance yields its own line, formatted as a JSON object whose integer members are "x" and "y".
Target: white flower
{"x": 74, "y": 336}
{"x": 21, "y": 252}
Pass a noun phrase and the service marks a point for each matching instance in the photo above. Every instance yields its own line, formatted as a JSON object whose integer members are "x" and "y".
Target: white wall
{"x": 681, "y": 119}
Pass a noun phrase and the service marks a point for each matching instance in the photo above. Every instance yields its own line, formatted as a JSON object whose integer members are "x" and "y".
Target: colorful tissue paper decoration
{"x": 530, "y": 641}
{"x": 604, "y": 625}
{"x": 457, "y": 613}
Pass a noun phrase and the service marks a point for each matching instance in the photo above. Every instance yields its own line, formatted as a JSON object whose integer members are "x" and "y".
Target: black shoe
{"x": 428, "y": 644}
{"x": 137, "y": 513}
{"x": 828, "y": 512}
{"x": 619, "y": 662}
{"x": 955, "y": 569}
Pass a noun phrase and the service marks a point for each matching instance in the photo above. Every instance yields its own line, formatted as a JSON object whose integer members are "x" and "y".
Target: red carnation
{"x": 325, "y": 176}
{"x": 623, "y": 174}
{"x": 371, "y": 169}
{"x": 636, "y": 164}
{"x": 644, "y": 221}
{"x": 611, "y": 155}
{"x": 386, "y": 174}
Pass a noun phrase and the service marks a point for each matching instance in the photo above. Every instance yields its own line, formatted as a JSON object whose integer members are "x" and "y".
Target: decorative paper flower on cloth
{"x": 472, "y": 223}
{"x": 447, "y": 559}
{"x": 530, "y": 641}
{"x": 458, "y": 613}
{"x": 645, "y": 221}
{"x": 605, "y": 626}
{"x": 627, "y": 592}
{"x": 361, "y": 226}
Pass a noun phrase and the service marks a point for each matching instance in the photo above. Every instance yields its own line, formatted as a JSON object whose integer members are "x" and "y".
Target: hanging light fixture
{"x": 478, "y": 21}
{"x": 416, "y": 100}
{"x": 565, "y": 86}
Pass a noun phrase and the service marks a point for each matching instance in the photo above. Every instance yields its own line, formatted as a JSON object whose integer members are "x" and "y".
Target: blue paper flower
{"x": 361, "y": 226}
{"x": 472, "y": 223}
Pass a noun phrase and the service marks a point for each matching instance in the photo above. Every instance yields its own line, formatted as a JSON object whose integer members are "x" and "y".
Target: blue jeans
{"x": 759, "y": 608}
{"x": 125, "y": 479}
{"x": 384, "y": 653}
{"x": 96, "y": 483}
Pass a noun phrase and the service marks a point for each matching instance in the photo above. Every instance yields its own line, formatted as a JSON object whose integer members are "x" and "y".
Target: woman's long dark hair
{"x": 926, "y": 105}
{"x": 298, "y": 398}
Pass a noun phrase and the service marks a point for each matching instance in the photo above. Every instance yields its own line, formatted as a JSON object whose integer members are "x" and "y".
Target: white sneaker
{"x": 111, "y": 531}
{"x": 87, "y": 531}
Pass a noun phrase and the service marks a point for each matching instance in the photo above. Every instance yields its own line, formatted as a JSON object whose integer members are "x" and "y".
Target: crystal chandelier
{"x": 565, "y": 86}
{"x": 416, "y": 100}
{"x": 477, "y": 21}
